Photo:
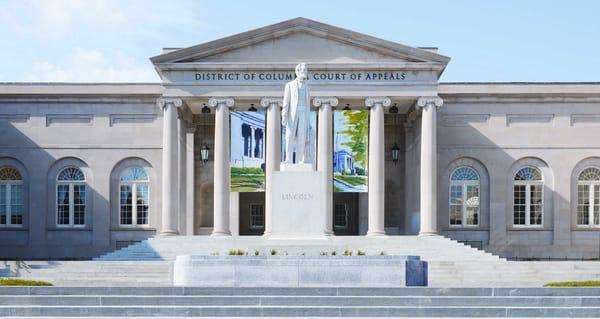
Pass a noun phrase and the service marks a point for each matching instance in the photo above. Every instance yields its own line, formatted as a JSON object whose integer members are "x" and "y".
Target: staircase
{"x": 298, "y": 302}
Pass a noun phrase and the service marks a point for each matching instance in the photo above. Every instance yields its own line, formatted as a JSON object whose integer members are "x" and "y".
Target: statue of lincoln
{"x": 296, "y": 117}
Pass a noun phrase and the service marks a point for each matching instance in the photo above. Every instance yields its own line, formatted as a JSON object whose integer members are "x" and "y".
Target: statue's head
{"x": 301, "y": 71}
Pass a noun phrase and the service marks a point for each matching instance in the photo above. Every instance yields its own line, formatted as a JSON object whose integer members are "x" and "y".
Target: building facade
{"x": 89, "y": 168}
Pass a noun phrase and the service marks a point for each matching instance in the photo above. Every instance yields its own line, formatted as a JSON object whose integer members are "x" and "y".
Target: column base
{"x": 169, "y": 232}
{"x": 425, "y": 234}
{"x": 220, "y": 234}
{"x": 375, "y": 233}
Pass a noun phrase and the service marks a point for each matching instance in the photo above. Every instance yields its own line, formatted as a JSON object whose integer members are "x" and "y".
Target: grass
{"x": 352, "y": 180}
{"x": 590, "y": 283}
{"x": 22, "y": 282}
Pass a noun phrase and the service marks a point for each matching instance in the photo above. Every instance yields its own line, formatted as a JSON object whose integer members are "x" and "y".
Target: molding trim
{"x": 267, "y": 101}
{"x": 585, "y": 119}
{"x": 460, "y": 120}
{"x": 221, "y": 101}
{"x": 163, "y": 102}
{"x": 332, "y": 101}
{"x": 424, "y": 101}
{"x": 69, "y": 119}
{"x": 132, "y": 119}
{"x": 378, "y": 100}
{"x": 532, "y": 119}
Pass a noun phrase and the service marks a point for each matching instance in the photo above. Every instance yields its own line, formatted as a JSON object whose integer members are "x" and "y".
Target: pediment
{"x": 299, "y": 40}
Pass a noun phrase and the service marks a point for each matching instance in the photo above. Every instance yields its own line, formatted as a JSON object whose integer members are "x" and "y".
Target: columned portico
{"x": 221, "y": 165}
{"x": 273, "y": 153}
{"x": 376, "y": 165}
{"x": 428, "y": 199}
{"x": 325, "y": 151}
{"x": 170, "y": 200}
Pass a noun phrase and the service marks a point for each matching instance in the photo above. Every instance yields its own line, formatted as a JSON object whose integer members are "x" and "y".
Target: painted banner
{"x": 248, "y": 151}
{"x": 351, "y": 138}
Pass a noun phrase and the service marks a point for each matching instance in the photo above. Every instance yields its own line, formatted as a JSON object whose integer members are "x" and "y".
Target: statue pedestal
{"x": 298, "y": 202}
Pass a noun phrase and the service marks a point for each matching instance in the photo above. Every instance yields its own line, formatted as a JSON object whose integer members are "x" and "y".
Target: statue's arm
{"x": 285, "y": 105}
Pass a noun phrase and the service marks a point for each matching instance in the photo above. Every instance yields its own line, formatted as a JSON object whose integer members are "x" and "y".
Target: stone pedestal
{"x": 299, "y": 205}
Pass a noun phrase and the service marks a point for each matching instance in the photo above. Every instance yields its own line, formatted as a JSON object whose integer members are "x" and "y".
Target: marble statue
{"x": 296, "y": 117}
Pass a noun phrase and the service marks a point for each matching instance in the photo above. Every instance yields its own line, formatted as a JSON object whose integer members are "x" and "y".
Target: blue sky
{"x": 111, "y": 41}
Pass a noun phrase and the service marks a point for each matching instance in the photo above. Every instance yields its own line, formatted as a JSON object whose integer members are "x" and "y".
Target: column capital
{"x": 429, "y": 100}
{"x": 216, "y": 101}
{"x": 267, "y": 101}
{"x": 378, "y": 100}
{"x": 325, "y": 100}
{"x": 164, "y": 101}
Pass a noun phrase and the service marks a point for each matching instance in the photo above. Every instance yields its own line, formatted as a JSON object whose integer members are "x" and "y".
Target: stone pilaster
{"x": 170, "y": 202}
{"x": 189, "y": 180}
{"x": 222, "y": 178}
{"x": 428, "y": 195}
{"x": 325, "y": 153}
{"x": 376, "y": 165}
{"x": 273, "y": 153}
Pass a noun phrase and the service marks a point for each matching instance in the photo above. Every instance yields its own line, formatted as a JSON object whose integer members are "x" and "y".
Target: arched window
{"x": 134, "y": 197}
{"x": 70, "y": 197}
{"x": 464, "y": 197}
{"x": 588, "y": 197}
{"x": 11, "y": 197}
{"x": 528, "y": 192}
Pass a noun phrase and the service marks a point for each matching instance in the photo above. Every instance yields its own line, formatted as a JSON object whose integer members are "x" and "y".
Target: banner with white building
{"x": 351, "y": 140}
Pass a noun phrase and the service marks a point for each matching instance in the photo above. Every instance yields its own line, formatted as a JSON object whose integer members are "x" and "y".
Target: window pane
{"x": 16, "y": 204}
{"x": 257, "y": 215}
{"x": 455, "y": 214}
{"x": 472, "y": 215}
{"x": 142, "y": 204}
{"x": 583, "y": 204}
{"x": 3, "y": 203}
{"x": 535, "y": 217}
{"x": 340, "y": 216}
{"x": 79, "y": 204}
{"x": 519, "y": 204}
{"x": 456, "y": 195}
{"x": 596, "y": 204}
{"x": 62, "y": 204}
{"x": 126, "y": 211}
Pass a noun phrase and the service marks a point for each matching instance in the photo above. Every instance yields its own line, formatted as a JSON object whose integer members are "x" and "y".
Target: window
{"x": 464, "y": 197}
{"x": 528, "y": 192}
{"x": 11, "y": 197}
{"x": 340, "y": 216}
{"x": 70, "y": 197}
{"x": 257, "y": 216}
{"x": 588, "y": 197}
{"x": 134, "y": 197}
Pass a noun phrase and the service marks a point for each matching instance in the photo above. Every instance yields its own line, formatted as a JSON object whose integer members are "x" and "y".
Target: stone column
{"x": 189, "y": 180}
{"x": 325, "y": 153}
{"x": 181, "y": 216}
{"x": 273, "y": 153}
{"x": 170, "y": 200}
{"x": 376, "y": 165}
{"x": 428, "y": 196}
{"x": 222, "y": 176}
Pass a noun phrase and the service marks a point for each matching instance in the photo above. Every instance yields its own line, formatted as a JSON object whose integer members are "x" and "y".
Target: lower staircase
{"x": 298, "y": 302}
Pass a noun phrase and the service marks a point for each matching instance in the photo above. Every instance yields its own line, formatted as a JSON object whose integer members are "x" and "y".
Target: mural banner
{"x": 351, "y": 138}
{"x": 247, "y": 151}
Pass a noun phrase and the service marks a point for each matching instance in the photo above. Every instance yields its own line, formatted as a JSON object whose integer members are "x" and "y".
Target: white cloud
{"x": 91, "y": 66}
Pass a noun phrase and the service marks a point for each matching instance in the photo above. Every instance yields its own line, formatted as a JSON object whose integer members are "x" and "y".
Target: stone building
{"x": 89, "y": 168}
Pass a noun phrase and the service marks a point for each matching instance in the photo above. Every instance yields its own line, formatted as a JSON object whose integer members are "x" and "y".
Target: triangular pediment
{"x": 300, "y": 40}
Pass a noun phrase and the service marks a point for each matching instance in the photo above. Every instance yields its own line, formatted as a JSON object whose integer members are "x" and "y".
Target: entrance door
{"x": 345, "y": 214}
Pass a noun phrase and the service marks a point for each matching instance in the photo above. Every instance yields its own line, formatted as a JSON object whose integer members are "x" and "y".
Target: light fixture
{"x": 204, "y": 152}
{"x": 347, "y": 108}
{"x": 394, "y": 109}
{"x": 395, "y": 153}
{"x": 252, "y": 108}
{"x": 205, "y": 109}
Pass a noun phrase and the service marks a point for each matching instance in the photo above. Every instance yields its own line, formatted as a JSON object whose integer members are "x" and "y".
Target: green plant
{"x": 236, "y": 252}
{"x": 347, "y": 252}
{"x": 382, "y": 253}
{"x": 256, "y": 253}
{"x": 324, "y": 254}
{"x": 590, "y": 283}
{"x": 273, "y": 252}
{"x": 361, "y": 253}
{"x": 22, "y": 282}
{"x": 333, "y": 253}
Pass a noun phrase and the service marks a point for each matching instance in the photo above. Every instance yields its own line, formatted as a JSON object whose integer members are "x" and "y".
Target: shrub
{"x": 361, "y": 253}
{"x": 347, "y": 252}
{"x": 591, "y": 283}
{"x": 236, "y": 252}
{"x": 22, "y": 282}
{"x": 333, "y": 253}
{"x": 324, "y": 254}
{"x": 273, "y": 252}
{"x": 256, "y": 253}
{"x": 382, "y": 253}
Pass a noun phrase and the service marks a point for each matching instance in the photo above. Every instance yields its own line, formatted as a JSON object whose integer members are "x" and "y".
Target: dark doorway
{"x": 345, "y": 214}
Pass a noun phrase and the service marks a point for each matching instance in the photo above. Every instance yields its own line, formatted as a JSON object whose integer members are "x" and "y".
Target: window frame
{"x": 252, "y": 225}
{"x": 592, "y": 185}
{"x": 464, "y": 184}
{"x": 134, "y": 184}
{"x": 528, "y": 205}
{"x": 337, "y": 226}
{"x": 9, "y": 184}
{"x": 71, "y": 184}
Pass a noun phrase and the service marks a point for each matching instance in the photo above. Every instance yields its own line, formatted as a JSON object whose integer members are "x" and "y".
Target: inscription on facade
{"x": 297, "y": 196}
{"x": 313, "y": 76}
